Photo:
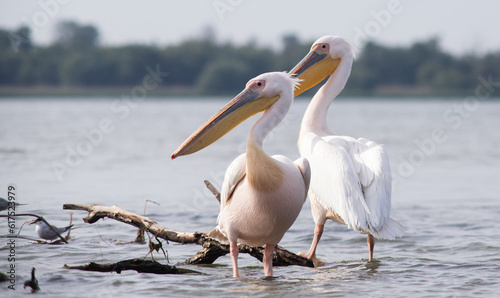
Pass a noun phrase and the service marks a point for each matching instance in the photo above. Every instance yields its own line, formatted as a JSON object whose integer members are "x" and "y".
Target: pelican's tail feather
{"x": 390, "y": 230}
{"x": 217, "y": 234}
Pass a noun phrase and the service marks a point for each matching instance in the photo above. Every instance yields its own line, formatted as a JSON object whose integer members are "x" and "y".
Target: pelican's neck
{"x": 315, "y": 116}
{"x": 263, "y": 173}
{"x": 271, "y": 118}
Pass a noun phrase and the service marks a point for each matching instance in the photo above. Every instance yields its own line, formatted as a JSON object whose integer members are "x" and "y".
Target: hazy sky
{"x": 463, "y": 26}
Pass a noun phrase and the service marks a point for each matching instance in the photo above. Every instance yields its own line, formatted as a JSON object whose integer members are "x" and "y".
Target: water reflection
{"x": 371, "y": 267}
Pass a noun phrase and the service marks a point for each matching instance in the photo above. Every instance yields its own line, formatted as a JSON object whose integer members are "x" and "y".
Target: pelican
{"x": 350, "y": 178}
{"x": 261, "y": 196}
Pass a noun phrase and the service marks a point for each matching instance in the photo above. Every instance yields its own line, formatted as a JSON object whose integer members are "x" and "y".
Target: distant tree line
{"x": 204, "y": 66}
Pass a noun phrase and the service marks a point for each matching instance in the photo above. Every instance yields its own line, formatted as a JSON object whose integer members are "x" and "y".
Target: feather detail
{"x": 263, "y": 172}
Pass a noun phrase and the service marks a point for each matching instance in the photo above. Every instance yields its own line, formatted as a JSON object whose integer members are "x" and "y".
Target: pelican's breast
{"x": 263, "y": 172}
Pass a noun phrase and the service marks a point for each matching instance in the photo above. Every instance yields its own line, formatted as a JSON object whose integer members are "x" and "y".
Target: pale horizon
{"x": 462, "y": 27}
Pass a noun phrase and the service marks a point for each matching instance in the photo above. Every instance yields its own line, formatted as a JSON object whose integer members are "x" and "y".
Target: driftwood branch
{"x": 140, "y": 232}
{"x": 97, "y": 212}
{"x": 212, "y": 189}
{"x": 212, "y": 248}
{"x": 141, "y": 266}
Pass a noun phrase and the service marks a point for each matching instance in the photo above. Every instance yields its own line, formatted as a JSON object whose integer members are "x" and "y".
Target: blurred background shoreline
{"x": 76, "y": 64}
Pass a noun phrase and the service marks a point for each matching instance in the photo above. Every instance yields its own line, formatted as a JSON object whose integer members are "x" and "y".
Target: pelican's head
{"x": 321, "y": 61}
{"x": 260, "y": 93}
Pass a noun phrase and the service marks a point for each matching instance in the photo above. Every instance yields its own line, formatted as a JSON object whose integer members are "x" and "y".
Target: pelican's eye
{"x": 256, "y": 85}
{"x": 321, "y": 48}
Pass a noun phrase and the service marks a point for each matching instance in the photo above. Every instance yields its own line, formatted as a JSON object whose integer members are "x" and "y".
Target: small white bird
{"x": 4, "y": 204}
{"x": 45, "y": 232}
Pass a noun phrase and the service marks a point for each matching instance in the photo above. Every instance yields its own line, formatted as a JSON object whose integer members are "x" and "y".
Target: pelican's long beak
{"x": 240, "y": 108}
{"x": 315, "y": 66}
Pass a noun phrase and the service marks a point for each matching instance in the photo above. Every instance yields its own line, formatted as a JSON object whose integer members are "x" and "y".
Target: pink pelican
{"x": 261, "y": 196}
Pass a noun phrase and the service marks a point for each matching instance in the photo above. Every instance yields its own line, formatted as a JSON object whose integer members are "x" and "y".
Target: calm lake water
{"x": 445, "y": 158}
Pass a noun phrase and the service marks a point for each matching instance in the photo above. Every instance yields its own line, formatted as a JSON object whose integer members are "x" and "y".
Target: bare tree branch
{"x": 213, "y": 190}
{"x": 212, "y": 248}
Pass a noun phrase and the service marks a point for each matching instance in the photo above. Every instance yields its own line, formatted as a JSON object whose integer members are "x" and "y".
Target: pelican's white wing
{"x": 334, "y": 182}
{"x": 234, "y": 174}
{"x": 374, "y": 171}
{"x": 375, "y": 174}
{"x": 352, "y": 178}
{"x": 305, "y": 170}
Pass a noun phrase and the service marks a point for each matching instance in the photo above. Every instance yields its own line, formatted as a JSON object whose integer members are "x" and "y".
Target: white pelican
{"x": 261, "y": 196}
{"x": 350, "y": 178}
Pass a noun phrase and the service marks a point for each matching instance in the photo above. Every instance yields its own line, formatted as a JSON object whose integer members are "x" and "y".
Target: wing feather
{"x": 234, "y": 174}
{"x": 376, "y": 180}
{"x": 305, "y": 170}
{"x": 352, "y": 178}
{"x": 334, "y": 179}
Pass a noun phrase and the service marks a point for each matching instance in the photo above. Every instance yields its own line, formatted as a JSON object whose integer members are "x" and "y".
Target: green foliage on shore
{"x": 203, "y": 66}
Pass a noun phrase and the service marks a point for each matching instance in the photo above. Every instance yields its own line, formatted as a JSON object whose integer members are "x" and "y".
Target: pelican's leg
{"x": 311, "y": 254}
{"x": 267, "y": 260}
{"x": 233, "y": 248}
{"x": 371, "y": 244}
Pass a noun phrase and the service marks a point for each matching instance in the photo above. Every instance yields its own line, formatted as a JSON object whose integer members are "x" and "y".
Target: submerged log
{"x": 212, "y": 248}
{"x": 141, "y": 266}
